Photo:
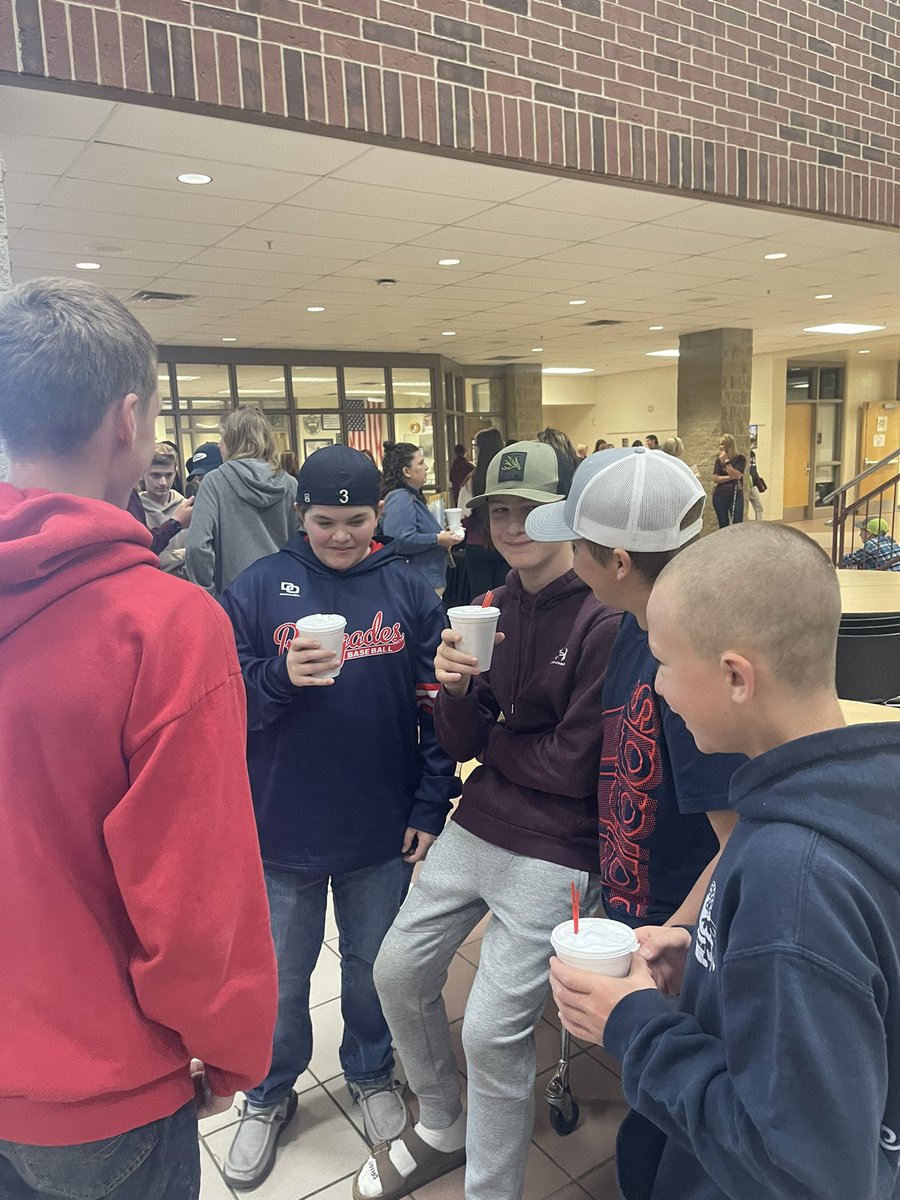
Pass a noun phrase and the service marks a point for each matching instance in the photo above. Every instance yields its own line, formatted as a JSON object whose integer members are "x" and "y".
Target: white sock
{"x": 446, "y": 1140}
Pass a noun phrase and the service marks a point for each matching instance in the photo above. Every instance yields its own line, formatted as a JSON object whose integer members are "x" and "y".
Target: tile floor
{"x": 324, "y": 1146}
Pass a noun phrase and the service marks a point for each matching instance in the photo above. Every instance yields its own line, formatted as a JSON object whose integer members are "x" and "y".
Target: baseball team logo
{"x": 379, "y": 638}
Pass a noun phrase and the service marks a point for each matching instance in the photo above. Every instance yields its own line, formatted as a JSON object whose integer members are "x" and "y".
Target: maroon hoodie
{"x": 536, "y": 792}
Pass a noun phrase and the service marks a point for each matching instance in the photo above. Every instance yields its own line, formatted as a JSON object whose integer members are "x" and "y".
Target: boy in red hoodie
{"x": 134, "y": 930}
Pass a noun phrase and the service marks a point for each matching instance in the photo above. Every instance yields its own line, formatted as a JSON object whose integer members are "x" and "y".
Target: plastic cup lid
{"x": 597, "y": 938}
{"x": 473, "y": 612}
{"x": 322, "y": 622}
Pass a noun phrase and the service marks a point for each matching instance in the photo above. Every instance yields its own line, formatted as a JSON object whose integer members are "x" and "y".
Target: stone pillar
{"x": 5, "y": 274}
{"x": 524, "y": 409}
{"x": 714, "y": 373}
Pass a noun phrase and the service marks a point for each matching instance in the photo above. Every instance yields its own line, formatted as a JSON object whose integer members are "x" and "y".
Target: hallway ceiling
{"x": 291, "y": 221}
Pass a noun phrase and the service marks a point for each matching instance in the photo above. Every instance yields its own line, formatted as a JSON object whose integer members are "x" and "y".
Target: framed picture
{"x": 311, "y": 445}
{"x": 331, "y": 421}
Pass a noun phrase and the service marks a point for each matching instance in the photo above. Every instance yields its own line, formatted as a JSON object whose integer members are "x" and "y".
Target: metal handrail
{"x": 862, "y": 475}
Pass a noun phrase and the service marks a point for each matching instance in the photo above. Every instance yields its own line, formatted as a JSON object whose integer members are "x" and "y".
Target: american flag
{"x": 365, "y": 425}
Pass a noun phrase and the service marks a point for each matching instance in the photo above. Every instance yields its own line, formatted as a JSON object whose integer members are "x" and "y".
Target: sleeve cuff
{"x": 630, "y": 1016}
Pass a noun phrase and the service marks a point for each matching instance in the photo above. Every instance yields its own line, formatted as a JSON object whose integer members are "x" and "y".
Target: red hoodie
{"x": 134, "y": 929}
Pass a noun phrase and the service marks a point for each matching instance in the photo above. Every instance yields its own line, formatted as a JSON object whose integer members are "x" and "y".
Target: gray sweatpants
{"x": 461, "y": 880}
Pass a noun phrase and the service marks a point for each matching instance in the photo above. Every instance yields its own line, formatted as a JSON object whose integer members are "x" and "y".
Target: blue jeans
{"x": 729, "y": 508}
{"x": 159, "y": 1161}
{"x": 365, "y": 904}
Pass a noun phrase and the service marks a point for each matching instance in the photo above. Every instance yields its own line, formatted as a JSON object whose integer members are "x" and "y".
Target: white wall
{"x": 866, "y": 381}
{"x": 636, "y": 403}
{"x": 767, "y": 405}
{"x": 613, "y": 407}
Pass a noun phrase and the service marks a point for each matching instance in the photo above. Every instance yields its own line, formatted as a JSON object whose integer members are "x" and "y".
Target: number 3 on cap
{"x": 344, "y": 496}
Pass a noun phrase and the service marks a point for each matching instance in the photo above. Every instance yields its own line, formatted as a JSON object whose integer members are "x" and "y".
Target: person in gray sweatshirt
{"x": 245, "y": 509}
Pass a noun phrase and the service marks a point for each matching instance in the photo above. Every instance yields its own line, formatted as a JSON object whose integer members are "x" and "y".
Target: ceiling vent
{"x": 598, "y": 324}
{"x": 506, "y": 357}
{"x": 160, "y": 298}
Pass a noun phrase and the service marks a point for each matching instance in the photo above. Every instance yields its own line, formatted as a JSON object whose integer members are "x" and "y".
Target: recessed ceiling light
{"x": 180, "y": 378}
{"x": 448, "y": 262}
{"x": 842, "y": 327}
{"x": 315, "y": 308}
{"x": 825, "y": 296}
{"x": 567, "y": 370}
{"x": 864, "y": 352}
{"x": 448, "y": 333}
{"x": 536, "y": 349}
{"x": 772, "y": 257}
{"x": 655, "y": 328}
{"x": 194, "y": 178}
{"x": 88, "y": 266}
{"x": 229, "y": 339}
{"x": 578, "y": 301}
{"x": 663, "y": 353}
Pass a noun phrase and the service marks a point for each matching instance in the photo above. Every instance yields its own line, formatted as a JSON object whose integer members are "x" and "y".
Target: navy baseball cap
{"x": 204, "y": 459}
{"x": 336, "y": 476}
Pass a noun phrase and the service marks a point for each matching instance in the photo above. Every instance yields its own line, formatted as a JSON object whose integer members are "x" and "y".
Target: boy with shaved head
{"x": 778, "y": 1074}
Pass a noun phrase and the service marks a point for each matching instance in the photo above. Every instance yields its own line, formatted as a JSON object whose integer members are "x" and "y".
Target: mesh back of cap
{"x": 635, "y": 499}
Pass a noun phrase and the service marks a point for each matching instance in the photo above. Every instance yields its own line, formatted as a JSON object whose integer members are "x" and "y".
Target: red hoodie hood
{"x": 52, "y": 544}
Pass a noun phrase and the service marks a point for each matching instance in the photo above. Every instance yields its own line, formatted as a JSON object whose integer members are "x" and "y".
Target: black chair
{"x": 868, "y": 666}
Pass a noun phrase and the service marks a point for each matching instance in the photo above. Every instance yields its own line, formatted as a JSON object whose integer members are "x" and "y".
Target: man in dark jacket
{"x": 778, "y": 1073}
{"x": 525, "y": 829}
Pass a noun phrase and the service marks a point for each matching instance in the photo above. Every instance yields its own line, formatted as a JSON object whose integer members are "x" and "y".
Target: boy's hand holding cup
{"x": 315, "y": 657}
{"x": 454, "y": 666}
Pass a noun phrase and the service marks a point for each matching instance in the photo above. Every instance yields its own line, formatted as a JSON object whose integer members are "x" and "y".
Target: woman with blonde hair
{"x": 245, "y": 509}
{"x": 728, "y": 483}
{"x": 673, "y": 446}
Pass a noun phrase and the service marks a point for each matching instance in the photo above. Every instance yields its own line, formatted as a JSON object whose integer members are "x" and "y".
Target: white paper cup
{"x": 328, "y": 630}
{"x": 602, "y": 946}
{"x": 477, "y": 626}
{"x": 454, "y": 519}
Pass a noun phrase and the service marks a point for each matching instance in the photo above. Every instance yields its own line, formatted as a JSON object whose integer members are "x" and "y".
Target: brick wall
{"x": 789, "y": 103}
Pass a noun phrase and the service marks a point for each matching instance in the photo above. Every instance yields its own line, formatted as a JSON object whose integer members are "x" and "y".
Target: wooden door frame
{"x": 802, "y": 512}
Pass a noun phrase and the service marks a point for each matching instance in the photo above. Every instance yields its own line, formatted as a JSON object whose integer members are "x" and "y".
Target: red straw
{"x": 576, "y": 904}
{"x": 488, "y": 597}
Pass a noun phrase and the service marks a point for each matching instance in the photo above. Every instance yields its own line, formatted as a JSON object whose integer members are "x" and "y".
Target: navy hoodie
{"x": 339, "y": 773}
{"x": 779, "y": 1078}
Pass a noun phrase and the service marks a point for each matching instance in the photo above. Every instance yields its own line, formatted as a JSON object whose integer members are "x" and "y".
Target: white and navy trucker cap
{"x": 633, "y": 498}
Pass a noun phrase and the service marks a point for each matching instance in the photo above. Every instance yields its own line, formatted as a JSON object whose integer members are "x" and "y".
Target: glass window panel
{"x": 315, "y": 431}
{"x": 165, "y": 429}
{"x": 827, "y": 433}
{"x": 412, "y": 388}
{"x": 800, "y": 383}
{"x": 203, "y": 386}
{"x": 165, "y": 389}
{"x": 315, "y": 387}
{"x": 262, "y": 386}
{"x": 831, "y": 383}
{"x": 196, "y": 430}
{"x": 418, "y": 428}
{"x": 368, "y": 422}
{"x": 478, "y": 396}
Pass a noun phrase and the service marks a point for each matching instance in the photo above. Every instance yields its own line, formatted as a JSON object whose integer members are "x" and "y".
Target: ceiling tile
{"x": 150, "y": 169}
{"x": 366, "y": 199}
{"x": 39, "y": 155}
{"x": 319, "y": 223}
{"x": 31, "y": 113}
{"x": 103, "y": 228}
{"x": 603, "y": 200}
{"x": 422, "y": 172}
{"x": 233, "y": 141}
{"x": 183, "y": 205}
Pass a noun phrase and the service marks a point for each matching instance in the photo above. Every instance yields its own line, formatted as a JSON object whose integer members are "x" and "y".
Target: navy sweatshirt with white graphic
{"x": 779, "y": 1078}
{"x": 339, "y": 773}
